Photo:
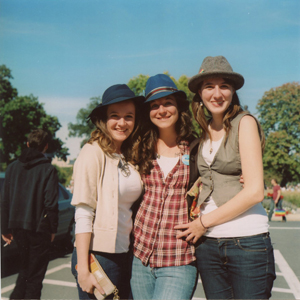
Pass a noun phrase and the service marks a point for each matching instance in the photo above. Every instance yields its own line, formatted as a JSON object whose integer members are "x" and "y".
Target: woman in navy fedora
{"x": 233, "y": 247}
{"x": 163, "y": 267}
{"x": 105, "y": 187}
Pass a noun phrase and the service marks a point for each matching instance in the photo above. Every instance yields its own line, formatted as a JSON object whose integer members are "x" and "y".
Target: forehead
{"x": 124, "y": 106}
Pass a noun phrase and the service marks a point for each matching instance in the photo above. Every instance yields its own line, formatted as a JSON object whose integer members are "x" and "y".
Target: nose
{"x": 217, "y": 92}
{"x": 161, "y": 109}
{"x": 121, "y": 122}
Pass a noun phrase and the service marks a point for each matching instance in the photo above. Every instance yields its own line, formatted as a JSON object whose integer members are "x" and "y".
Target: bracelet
{"x": 206, "y": 228}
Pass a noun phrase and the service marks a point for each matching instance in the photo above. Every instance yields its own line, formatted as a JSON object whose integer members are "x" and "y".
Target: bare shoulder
{"x": 248, "y": 123}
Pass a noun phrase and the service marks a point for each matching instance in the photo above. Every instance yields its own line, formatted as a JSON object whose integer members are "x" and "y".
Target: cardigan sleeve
{"x": 87, "y": 173}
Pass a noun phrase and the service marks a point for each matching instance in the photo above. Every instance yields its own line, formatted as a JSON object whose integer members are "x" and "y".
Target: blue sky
{"x": 66, "y": 51}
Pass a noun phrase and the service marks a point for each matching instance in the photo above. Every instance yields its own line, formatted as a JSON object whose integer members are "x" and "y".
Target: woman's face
{"x": 216, "y": 95}
{"x": 164, "y": 112}
{"x": 120, "y": 121}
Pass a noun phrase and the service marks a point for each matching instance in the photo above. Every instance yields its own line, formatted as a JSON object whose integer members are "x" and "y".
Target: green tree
{"x": 83, "y": 128}
{"x": 279, "y": 115}
{"x": 19, "y": 115}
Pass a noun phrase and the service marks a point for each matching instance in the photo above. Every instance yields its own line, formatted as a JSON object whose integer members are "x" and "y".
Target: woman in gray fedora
{"x": 105, "y": 187}
{"x": 233, "y": 247}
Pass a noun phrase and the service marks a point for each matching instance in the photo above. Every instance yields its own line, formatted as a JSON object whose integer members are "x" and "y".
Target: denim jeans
{"x": 117, "y": 266}
{"x": 236, "y": 268}
{"x": 162, "y": 283}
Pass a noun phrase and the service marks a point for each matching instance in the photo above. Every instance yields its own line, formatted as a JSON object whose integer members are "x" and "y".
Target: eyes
{"x": 210, "y": 86}
{"x": 167, "y": 103}
{"x": 115, "y": 116}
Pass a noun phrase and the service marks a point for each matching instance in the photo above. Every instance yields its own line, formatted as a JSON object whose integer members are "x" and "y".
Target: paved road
{"x": 59, "y": 282}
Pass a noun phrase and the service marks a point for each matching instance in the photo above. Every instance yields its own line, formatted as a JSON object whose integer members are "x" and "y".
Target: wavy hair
{"x": 145, "y": 149}
{"x": 203, "y": 116}
{"x": 104, "y": 139}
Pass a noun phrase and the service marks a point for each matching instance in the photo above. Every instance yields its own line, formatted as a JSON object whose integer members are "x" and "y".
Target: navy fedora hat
{"x": 115, "y": 94}
{"x": 161, "y": 85}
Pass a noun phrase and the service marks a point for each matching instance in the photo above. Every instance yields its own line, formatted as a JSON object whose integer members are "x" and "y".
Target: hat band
{"x": 160, "y": 90}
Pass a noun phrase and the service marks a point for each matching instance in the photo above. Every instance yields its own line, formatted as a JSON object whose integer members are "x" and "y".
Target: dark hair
{"x": 144, "y": 150}
{"x": 203, "y": 116}
{"x": 105, "y": 141}
{"x": 38, "y": 139}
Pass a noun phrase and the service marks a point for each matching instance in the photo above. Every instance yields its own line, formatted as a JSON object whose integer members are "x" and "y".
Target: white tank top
{"x": 253, "y": 221}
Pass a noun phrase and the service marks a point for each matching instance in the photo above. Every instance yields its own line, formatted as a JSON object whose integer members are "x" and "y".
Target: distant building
{"x": 61, "y": 163}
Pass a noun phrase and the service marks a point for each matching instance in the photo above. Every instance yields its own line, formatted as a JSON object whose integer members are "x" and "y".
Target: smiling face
{"x": 216, "y": 95}
{"x": 120, "y": 121}
{"x": 164, "y": 112}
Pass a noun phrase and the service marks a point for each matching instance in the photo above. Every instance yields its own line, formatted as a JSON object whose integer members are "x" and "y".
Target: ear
{"x": 27, "y": 144}
{"x": 45, "y": 149}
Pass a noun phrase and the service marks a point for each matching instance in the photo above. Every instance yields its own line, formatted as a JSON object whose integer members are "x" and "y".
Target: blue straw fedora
{"x": 115, "y": 94}
{"x": 162, "y": 85}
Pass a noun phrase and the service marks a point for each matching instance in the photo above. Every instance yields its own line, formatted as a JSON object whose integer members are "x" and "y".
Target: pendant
{"x": 211, "y": 150}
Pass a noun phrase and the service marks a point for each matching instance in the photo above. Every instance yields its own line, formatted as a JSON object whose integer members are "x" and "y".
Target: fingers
{"x": 182, "y": 226}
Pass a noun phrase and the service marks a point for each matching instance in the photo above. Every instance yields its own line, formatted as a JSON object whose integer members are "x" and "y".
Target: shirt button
{"x": 211, "y": 187}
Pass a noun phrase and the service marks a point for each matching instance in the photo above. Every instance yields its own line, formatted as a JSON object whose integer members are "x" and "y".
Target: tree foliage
{"x": 19, "y": 115}
{"x": 279, "y": 115}
{"x": 83, "y": 128}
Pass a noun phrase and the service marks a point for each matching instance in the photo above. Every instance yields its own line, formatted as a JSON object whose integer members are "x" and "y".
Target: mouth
{"x": 217, "y": 103}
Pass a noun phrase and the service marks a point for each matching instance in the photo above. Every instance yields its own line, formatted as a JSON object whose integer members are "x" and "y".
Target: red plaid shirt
{"x": 163, "y": 206}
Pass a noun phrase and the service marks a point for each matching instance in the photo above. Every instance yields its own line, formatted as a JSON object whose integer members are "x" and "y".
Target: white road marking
{"x": 285, "y": 228}
{"x": 288, "y": 274}
{"x": 60, "y": 282}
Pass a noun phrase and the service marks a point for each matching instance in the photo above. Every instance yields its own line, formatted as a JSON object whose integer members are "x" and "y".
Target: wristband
{"x": 206, "y": 228}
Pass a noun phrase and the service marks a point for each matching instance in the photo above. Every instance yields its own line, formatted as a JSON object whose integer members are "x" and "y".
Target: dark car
{"x": 65, "y": 231}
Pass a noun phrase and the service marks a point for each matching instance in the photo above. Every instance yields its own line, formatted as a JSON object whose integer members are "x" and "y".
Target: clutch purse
{"x": 102, "y": 279}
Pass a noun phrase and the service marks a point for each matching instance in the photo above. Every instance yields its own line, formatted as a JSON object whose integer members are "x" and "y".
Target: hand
{"x": 52, "y": 237}
{"x": 242, "y": 179}
{"x": 191, "y": 231}
{"x": 88, "y": 283}
{"x": 7, "y": 238}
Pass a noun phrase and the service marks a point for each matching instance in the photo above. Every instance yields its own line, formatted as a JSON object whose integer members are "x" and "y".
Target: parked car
{"x": 66, "y": 227}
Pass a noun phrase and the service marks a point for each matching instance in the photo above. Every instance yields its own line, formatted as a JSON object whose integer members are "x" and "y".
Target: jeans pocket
{"x": 252, "y": 244}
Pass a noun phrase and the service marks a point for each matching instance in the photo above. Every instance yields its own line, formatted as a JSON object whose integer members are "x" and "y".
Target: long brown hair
{"x": 203, "y": 116}
{"x": 145, "y": 149}
{"x": 104, "y": 139}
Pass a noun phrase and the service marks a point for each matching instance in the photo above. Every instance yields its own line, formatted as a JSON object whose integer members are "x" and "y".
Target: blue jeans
{"x": 236, "y": 268}
{"x": 117, "y": 266}
{"x": 162, "y": 283}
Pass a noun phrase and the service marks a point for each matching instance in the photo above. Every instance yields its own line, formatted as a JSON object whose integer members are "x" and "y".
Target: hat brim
{"x": 181, "y": 94}
{"x": 195, "y": 81}
{"x": 99, "y": 107}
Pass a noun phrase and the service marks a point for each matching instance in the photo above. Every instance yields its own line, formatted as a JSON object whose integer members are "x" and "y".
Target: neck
{"x": 217, "y": 123}
{"x": 168, "y": 137}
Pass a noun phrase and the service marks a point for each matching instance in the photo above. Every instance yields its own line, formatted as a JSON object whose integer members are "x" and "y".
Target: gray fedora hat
{"x": 217, "y": 66}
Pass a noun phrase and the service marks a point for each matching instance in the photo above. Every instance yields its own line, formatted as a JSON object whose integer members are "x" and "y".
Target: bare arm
{"x": 86, "y": 279}
{"x": 252, "y": 193}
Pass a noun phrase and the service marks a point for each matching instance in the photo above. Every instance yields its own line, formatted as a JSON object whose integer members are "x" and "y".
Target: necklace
{"x": 124, "y": 167}
{"x": 211, "y": 148}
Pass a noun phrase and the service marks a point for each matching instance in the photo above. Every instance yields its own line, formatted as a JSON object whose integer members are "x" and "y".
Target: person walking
{"x": 277, "y": 200}
{"x": 163, "y": 267}
{"x": 105, "y": 187}
{"x": 233, "y": 246}
{"x": 29, "y": 213}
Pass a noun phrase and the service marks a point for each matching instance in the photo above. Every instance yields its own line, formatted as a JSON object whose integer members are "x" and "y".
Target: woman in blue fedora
{"x": 233, "y": 247}
{"x": 163, "y": 266}
{"x": 105, "y": 187}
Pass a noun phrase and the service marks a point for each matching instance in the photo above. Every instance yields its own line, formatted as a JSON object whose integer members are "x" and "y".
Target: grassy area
{"x": 289, "y": 196}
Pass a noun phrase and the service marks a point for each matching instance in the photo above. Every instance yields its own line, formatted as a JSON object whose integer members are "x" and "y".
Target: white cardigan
{"x": 96, "y": 185}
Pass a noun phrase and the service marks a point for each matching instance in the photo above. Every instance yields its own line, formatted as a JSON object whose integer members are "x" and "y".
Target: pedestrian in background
{"x": 163, "y": 267}
{"x": 233, "y": 247}
{"x": 29, "y": 213}
{"x": 105, "y": 187}
{"x": 277, "y": 200}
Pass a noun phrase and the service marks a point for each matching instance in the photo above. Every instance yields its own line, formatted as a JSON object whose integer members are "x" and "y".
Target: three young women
{"x": 105, "y": 187}
{"x": 163, "y": 266}
{"x": 233, "y": 247}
